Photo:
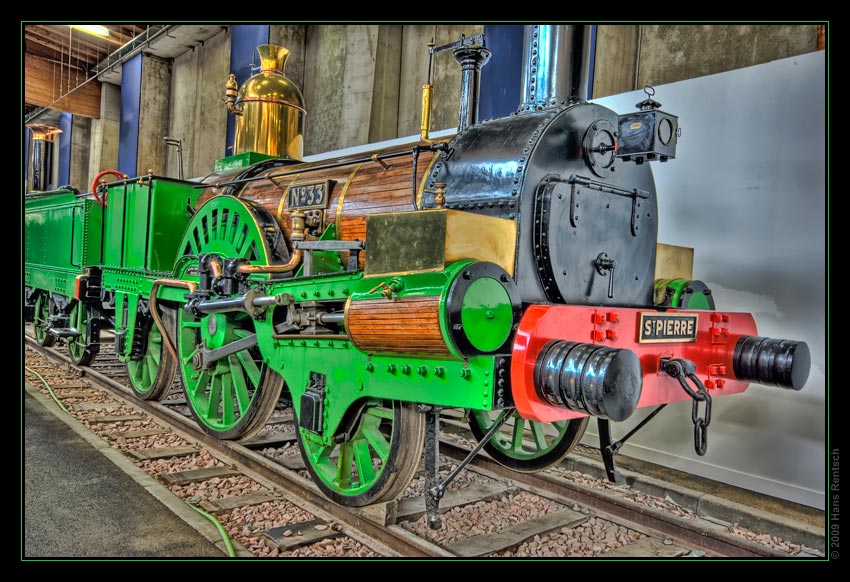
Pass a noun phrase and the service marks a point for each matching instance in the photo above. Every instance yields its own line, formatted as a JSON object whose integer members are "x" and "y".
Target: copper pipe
{"x": 169, "y": 343}
{"x": 293, "y": 263}
{"x": 215, "y": 266}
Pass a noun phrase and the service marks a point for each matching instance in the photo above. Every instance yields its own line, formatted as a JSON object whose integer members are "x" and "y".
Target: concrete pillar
{"x": 197, "y": 115}
{"x": 80, "y": 152}
{"x": 350, "y": 85}
{"x": 153, "y": 115}
{"x": 671, "y": 53}
{"x": 103, "y": 152}
{"x": 616, "y": 51}
{"x": 294, "y": 38}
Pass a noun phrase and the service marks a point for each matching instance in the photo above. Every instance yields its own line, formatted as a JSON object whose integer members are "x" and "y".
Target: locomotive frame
{"x": 285, "y": 279}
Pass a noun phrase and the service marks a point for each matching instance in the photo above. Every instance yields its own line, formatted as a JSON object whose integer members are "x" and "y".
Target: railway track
{"x": 262, "y": 495}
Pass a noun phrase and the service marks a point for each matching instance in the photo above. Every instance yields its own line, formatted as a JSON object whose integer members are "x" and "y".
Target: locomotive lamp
{"x": 649, "y": 134}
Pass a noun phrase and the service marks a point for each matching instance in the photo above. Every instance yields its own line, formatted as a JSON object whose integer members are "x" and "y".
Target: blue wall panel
{"x": 63, "y": 175}
{"x": 128, "y": 133}
{"x": 244, "y": 40}
{"x": 500, "y": 78}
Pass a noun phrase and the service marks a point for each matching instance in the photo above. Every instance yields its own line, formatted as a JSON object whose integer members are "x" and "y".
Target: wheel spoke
{"x": 516, "y": 441}
{"x": 151, "y": 367}
{"x": 363, "y": 461}
{"x": 539, "y": 437}
{"x": 378, "y": 441}
{"x": 227, "y": 415}
{"x": 249, "y": 366}
{"x": 214, "y": 398}
{"x": 239, "y": 387}
{"x": 343, "y": 472}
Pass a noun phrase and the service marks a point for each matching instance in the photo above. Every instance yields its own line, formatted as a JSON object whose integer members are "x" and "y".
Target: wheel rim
{"x": 525, "y": 445}
{"x": 79, "y": 320}
{"x": 143, "y": 372}
{"x": 376, "y": 462}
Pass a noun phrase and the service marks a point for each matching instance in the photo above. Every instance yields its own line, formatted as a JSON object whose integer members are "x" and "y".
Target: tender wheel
{"x": 526, "y": 446}
{"x": 82, "y": 353}
{"x": 42, "y": 313}
{"x": 234, "y": 397}
{"x": 152, "y": 376}
{"x": 377, "y": 461}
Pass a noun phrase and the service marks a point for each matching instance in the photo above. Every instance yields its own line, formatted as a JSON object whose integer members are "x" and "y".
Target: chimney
{"x": 555, "y": 65}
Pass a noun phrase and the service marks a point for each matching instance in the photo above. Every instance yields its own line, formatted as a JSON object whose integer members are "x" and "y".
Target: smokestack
{"x": 40, "y": 164}
{"x": 555, "y": 65}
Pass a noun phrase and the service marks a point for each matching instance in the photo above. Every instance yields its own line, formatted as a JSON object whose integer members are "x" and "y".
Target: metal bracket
{"x": 205, "y": 358}
{"x": 435, "y": 490}
{"x": 684, "y": 370}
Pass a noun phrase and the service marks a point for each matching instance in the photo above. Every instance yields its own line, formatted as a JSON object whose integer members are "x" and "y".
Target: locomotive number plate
{"x": 668, "y": 327}
{"x": 310, "y": 195}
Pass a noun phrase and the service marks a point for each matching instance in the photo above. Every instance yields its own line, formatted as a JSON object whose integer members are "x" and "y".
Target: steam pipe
{"x": 169, "y": 343}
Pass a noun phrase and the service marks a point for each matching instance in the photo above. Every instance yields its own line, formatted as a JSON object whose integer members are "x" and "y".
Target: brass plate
{"x": 308, "y": 195}
{"x": 673, "y": 262}
{"x": 428, "y": 240}
{"x": 405, "y": 242}
{"x": 658, "y": 328}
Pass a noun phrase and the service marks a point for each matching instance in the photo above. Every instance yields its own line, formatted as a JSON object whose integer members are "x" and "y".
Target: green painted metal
{"x": 523, "y": 439}
{"x": 323, "y": 261}
{"x": 353, "y": 375}
{"x": 486, "y": 314}
{"x": 674, "y": 292}
{"x": 239, "y": 161}
{"x": 77, "y": 346}
{"x": 143, "y": 372}
{"x": 42, "y": 312}
{"x": 62, "y": 235}
{"x": 355, "y": 466}
{"x": 226, "y": 397}
{"x": 145, "y": 221}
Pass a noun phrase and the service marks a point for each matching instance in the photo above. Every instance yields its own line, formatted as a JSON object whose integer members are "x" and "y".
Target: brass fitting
{"x": 231, "y": 92}
{"x": 439, "y": 192}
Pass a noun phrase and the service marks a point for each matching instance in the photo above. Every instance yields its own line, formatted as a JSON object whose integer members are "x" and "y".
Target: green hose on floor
{"x": 49, "y": 389}
{"x": 227, "y": 543}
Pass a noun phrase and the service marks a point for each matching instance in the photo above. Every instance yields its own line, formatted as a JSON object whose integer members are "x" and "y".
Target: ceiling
{"x": 76, "y": 53}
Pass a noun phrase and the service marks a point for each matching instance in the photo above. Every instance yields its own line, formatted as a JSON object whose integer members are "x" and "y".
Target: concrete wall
{"x": 197, "y": 115}
{"x": 363, "y": 83}
{"x": 80, "y": 152}
{"x": 668, "y": 53}
{"x": 103, "y": 153}
{"x": 153, "y": 114}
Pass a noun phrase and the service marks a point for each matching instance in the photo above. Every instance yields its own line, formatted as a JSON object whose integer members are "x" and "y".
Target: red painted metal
{"x": 717, "y": 334}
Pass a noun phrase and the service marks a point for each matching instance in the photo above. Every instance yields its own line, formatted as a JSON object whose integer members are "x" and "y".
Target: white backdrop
{"x": 748, "y": 191}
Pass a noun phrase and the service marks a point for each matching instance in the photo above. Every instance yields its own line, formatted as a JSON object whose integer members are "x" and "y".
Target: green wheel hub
{"x": 376, "y": 460}
{"x": 524, "y": 445}
{"x": 42, "y": 313}
{"x": 486, "y": 314}
{"x": 81, "y": 352}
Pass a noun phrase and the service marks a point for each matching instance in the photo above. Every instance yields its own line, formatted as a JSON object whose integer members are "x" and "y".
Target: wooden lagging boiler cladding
{"x": 511, "y": 270}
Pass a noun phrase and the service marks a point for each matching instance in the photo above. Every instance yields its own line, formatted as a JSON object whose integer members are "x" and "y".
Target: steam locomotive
{"x": 511, "y": 270}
